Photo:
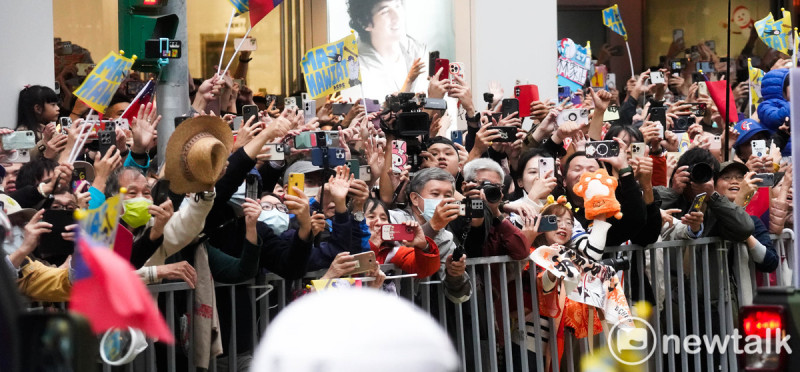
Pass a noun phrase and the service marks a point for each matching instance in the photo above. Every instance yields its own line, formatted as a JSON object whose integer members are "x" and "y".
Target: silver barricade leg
{"x": 642, "y": 275}
{"x": 568, "y": 353}
{"x": 490, "y": 318}
{"x": 425, "y": 294}
{"x": 707, "y": 306}
{"x": 553, "y": 340}
{"x": 151, "y": 355}
{"x": 459, "y": 332}
{"x": 190, "y": 329}
{"x": 730, "y": 354}
{"x": 522, "y": 336}
{"x": 232, "y": 344}
{"x": 668, "y": 252}
{"x": 682, "y": 301}
{"x": 171, "y": 325}
{"x": 780, "y": 250}
{"x": 442, "y": 308}
{"x": 694, "y": 302}
{"x": 537, "y": 319}
{"x": 476, "y": 329}
{"x": 721, "y": 301}
{"x": 654, "y": 274}
{"x": 506, "y": 316}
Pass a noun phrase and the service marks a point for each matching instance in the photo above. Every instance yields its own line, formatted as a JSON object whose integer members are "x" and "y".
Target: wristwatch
{"x": 627, "y": 169}
{"x": 358, "y": 216}
{"x": 205, "y": 195}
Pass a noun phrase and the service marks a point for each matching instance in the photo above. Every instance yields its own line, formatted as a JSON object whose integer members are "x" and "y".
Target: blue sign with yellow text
{"x": 101, "y": 84}
{"x": 331, "y": 67}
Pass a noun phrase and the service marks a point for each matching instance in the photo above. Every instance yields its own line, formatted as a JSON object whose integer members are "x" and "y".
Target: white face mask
{"x": 275, "y": 219}
{"x": 13, "y": 243}
{"x": 311, "y": 192}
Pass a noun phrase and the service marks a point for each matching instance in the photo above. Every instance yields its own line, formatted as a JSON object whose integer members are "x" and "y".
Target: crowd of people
{"x": 248, "y": 196}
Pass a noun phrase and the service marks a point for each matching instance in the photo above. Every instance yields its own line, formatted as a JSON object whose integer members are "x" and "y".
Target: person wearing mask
{"x": 431, "y": 196}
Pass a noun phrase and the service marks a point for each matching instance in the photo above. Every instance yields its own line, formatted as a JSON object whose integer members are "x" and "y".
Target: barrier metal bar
{"x": 668, "y": 307}
{"x": 522, "y": 335}
{"x": 682, "y": 299}
{"x": 171, "y": 325}
{"x": 694, "y": 302}
{"x": 707, "y": 307}
{"x": 462, "y": 353}
{"x": 232, "y": 348}
{"x": 476, "y": 329}
{"x": 487, "y": 289}
{"x": 731, "y": 354}
{"x": 506, "y": 319}
{"x": 721, "y": 306}
{"x": 537, "y": 320}
{"x": 659, "y": 362}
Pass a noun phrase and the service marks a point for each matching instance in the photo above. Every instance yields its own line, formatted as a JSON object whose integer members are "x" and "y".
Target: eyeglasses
{"x": 59, "y": 207}
{"x": 731, "y": 177}
{"x": 267, "y": 206}
{"x": 566, "y": 222}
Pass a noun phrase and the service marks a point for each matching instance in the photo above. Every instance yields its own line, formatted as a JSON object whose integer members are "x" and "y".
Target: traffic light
{"x": 142, "y": 20}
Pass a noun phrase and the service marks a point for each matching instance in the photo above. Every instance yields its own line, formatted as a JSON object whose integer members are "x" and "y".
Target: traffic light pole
{"x": 172, "y": 94}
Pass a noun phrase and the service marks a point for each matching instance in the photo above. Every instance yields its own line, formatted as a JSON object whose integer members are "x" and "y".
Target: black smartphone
{"x": 432, "y": 57}
{"x": 548, "y": 223}
{"x": 180, "y": 119}
{"x": 458, "y": 253}
{"x": 510, "y": 106}
{"x": 251, "y": 187}
{"x": 507, "y": 133}
{"x": 52, "y": 246}
{"x": 659, "y": 114}
{"x": 249, "y": 111}
{"x": 160, "y": 191}
{"x": 473, "y": 208}
{"x": 767, "y": 179}
{"x": 602, "y": 149}
{"x": 106, "y": 139}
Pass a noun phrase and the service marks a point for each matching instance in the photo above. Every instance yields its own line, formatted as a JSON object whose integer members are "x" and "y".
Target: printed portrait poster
{"x": 391, "y": 35}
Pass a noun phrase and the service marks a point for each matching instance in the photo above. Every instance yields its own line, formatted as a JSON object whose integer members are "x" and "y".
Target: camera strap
{"x": 465, "y": 232}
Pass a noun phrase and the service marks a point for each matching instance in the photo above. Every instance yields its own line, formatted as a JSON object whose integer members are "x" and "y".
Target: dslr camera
{"x": 493, "y": 192}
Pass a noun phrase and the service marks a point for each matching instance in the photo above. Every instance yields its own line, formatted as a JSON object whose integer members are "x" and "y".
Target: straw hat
{"x": 16, "y": 214}
{"x": 197, "y": 153}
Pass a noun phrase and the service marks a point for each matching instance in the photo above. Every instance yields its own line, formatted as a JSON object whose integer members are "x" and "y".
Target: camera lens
{"x": 572, "y": 116}
{"x": 617, "y": 263}
{"x": 602, "y": 149}
{"x": 493, "y": 192}
{"x": 700, "y": 173}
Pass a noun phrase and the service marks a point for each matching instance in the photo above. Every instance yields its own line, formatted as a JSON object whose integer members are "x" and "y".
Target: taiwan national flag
{"x": 108, "y": 292}
{"x": 258, "y": 8}
{"x": 142, "y": 98}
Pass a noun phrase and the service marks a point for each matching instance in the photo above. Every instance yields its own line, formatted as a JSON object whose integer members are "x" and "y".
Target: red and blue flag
{"x": 258, "y": 8}
{"x": 108, "y": 292}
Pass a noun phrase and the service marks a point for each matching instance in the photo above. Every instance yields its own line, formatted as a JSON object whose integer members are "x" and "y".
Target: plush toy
{"x": 597, "y": 190}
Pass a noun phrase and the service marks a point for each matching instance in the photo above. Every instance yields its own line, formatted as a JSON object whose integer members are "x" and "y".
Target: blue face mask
{"x": 275, "y": 219}
{"x": 429, "y": 207}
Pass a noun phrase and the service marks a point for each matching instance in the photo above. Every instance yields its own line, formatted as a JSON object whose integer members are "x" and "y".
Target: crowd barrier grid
{"x": 493, "y": 332}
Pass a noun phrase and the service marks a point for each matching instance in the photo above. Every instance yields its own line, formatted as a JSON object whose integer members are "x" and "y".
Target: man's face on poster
{"x": 388, "y": 21}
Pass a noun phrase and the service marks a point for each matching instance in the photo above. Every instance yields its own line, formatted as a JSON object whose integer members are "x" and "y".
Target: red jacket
{"x": 410, "y": 260}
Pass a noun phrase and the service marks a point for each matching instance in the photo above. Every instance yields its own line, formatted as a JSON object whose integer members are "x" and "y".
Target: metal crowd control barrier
{"x": 689, "y": 284}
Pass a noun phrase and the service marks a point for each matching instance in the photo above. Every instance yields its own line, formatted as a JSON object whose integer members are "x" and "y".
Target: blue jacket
{"x": 761, "y": 233}
{"x": 774, "y": 108}
{"x": 344, "y": 235}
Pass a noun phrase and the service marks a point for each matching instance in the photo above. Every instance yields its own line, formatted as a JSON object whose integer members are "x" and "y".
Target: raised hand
{"x": 144, "y": 127}
{"x": 339, "y": 185}
{"x": 252, "y": 209}
{"x": 162, "y": 213}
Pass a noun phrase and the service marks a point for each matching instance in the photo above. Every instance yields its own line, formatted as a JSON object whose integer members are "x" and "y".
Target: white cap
{"x": 359, "y": 330}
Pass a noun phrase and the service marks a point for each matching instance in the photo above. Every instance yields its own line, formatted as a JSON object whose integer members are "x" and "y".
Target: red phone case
{"x": 401, "y": 232}
{"x": 526, "y": 94}
{"x": 444, "y": 64}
